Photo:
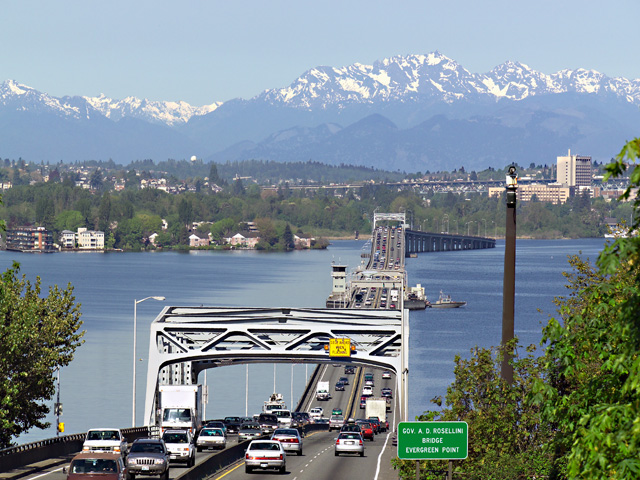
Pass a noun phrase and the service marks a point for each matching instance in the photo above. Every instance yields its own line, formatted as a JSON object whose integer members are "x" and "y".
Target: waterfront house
{"x": 67, "y": 239}
{"x": 29, "y": 239}
{"x": 90, "y": 239}
{"x": 244, "y": 240}
{"x": 196, "y": 241}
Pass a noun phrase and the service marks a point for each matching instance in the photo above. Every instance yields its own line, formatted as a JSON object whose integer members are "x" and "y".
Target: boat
{"x": 444, "y": 301}
{"x": 415, "y": 299}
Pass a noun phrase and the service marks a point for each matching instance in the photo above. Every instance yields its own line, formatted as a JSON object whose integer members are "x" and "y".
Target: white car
{"x": 180, "y": 445}
{"x": 212, "y": 438}
{"x": 316, "y": 413}
{"x": 284, "y": 417}
{"x": 386, "y": 374}
{"x": 367, "y": 391}
{"x": 105, "y": 440}
{"x": 264, "y": 454}
{"x": 289, "y": 438}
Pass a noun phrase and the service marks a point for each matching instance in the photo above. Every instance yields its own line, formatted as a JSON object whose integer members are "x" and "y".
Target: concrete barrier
{"x": 53, "y": 448}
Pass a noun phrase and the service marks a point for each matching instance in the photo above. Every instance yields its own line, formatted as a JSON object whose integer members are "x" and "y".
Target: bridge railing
{"x": 30, "y": 453}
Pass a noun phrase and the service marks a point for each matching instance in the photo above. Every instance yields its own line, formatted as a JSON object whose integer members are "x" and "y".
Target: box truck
{"x": 180, "y": 407}
{"x": 377, "y": 407}
{"x": 322, "y": 391}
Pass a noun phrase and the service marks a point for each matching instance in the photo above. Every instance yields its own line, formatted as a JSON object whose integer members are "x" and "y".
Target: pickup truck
{"x": 105, "y": 440}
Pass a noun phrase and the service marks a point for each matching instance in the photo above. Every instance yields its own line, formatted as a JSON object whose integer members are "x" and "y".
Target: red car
{"x": 367, "y": 430}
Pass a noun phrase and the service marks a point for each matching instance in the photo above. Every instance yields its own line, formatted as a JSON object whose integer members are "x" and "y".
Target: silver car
{"x": 249, "y": 431}
{"x": 289, "y": 438}
{"x": 265, "y": 454}
{"x": 349, "y": 442}
{"x": 211, "y": 438}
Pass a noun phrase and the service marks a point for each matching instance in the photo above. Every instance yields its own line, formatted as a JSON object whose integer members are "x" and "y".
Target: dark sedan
{"x": 339, "y": 387}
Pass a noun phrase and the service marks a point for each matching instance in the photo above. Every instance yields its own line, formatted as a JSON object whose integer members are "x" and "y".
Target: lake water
{"x": 96, "y": 387}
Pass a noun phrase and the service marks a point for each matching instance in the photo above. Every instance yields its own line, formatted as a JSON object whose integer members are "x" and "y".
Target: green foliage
{"x": 593, "y": 392}
{"x": 506, "y": 437}
{"x": 38, "y": 336}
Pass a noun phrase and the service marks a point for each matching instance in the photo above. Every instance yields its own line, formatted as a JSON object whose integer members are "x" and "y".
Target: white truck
{"x": 322, "y": 391}
{"x": 105, "y": 440}
{"x": 180, "y": 407}
{"x": 377, "y": 407}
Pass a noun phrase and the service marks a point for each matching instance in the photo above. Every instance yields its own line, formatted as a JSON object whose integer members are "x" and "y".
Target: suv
{"x": 105, "y": 440}
{"x": 268, "y": 422}
{"x": 180, "y": 446}
{"x": 148, "y": 456}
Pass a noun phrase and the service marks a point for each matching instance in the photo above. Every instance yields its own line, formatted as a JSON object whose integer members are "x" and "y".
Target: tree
{"x": 593, "y": 393}
{"x": 38, "y": 336}
{"x": 287, "y": 238}
{"x": 104, "y": 213}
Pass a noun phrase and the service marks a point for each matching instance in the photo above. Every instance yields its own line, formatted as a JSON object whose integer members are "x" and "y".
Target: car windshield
{"x": 176, "y": 415}
{"x": 265, "y": 446}
{"x": 349, "y": 436}
{"x": 282, "y": 413}
{"x": 175, "y": 438}
{"x": 142, "y": 447}
{"x": 210, "y": 432}
{"x": 94, "y": 465}
{"x": 250, "y": 426}
{"x": 103, "y": 435}
{"x": 286, "y": 431}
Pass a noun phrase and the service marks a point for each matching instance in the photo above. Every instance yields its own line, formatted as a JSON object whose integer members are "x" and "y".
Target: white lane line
{"x": 384, "y": 446}
{"x": 46, "y": 473}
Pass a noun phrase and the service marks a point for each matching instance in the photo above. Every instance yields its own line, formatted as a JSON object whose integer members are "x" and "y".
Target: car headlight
{"x": 159, "y": 461}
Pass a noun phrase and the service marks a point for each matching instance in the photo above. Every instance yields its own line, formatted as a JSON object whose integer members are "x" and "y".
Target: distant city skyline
{"x": 205, "y": 52}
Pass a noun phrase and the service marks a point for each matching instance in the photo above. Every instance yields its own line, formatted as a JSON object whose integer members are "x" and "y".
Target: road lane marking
{"x": 45, "y": 473}
{"x": 229, "y": 471}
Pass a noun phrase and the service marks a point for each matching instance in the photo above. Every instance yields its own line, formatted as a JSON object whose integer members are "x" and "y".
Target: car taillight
{"x": 281, "y": 457}
{"x": 337, "y": 442}
{"x": 360, "y": 442}
{"x": 246, "y": 456}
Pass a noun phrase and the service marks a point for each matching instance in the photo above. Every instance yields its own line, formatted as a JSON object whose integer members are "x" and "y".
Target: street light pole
{"x": 135, "y": 329}
{"x": 509, "y": 282}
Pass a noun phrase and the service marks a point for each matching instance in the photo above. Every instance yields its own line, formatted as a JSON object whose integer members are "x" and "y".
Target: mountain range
{"x": 409, "y": 113}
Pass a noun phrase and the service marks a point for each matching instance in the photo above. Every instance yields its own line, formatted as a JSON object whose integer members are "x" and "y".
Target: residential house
{"x": 67, "y": 239}
{"x": 244, "y": 240}
{"x": 196, "y": 241}
{"x": 90, "y": 239}
{"x": 303, "y": 241}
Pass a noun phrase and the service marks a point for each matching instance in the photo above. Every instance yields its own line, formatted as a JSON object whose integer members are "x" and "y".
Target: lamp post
{"x": 469, "y": 228}
{"x": 445, "y": 218}
{"x": 495, "y": 229}
{"x": 508, "y": 293}
{"x": 485, "y": 227}
{"x": 135, "y": 318}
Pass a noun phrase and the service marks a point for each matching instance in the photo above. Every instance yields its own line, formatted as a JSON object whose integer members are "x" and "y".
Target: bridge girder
{"x": 210, "y": 337}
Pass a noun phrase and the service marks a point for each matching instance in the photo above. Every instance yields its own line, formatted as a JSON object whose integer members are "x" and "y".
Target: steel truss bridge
{"x": 187, "y": 340}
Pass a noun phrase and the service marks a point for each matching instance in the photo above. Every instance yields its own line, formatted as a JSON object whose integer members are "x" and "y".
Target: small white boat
{"x": 444, "y": 301}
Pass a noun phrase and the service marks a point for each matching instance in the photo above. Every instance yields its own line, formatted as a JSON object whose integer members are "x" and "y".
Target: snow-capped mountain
{"x": 437, "y": 77}
{"x": 412, "y": 112}
{"x": 26, "y": 98}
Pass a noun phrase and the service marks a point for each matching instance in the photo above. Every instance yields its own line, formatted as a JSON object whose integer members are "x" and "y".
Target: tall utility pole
{"x": 509, "y": 282}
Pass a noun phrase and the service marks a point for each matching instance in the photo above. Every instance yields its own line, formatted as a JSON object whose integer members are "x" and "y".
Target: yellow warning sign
{"x": 340, "y": 347}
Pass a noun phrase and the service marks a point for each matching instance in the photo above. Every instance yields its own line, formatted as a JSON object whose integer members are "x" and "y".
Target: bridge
{"x": 184, "y": 341}
{"x": 423, "y": 242}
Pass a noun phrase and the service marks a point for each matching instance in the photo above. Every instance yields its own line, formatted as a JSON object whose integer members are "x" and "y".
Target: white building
{"x": 90, "y": 239}
{"x": 67, "y": 239}
{"x": 574, "y": 170}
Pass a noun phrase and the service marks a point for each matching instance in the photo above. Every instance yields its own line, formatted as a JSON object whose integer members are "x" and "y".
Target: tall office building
{"x": 574, "y": 170}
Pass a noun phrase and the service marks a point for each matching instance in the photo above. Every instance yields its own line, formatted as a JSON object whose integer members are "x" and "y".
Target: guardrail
{"x": 21, "y": 455}
{"x": 311, "y": 385}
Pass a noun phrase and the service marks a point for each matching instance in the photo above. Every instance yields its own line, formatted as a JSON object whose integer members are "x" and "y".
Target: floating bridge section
{"x": 419, "y": 242}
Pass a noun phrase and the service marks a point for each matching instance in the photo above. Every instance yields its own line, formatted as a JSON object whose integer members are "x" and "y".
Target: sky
{"x": 209, "y": 51}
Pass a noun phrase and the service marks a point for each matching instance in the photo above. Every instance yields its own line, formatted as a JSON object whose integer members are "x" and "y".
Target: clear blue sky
{"x": 204, "y": 51}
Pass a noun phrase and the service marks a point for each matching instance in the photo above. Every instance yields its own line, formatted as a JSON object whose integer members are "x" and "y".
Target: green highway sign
{"x": 433, "y": 440}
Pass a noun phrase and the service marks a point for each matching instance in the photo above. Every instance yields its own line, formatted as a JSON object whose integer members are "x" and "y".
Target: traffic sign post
{"x": 340, "y": 347}
{"x": 433, "y": 440}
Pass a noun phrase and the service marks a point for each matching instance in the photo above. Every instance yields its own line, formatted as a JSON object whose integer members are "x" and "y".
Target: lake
{"x": 96, "y": 387}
